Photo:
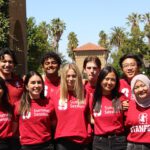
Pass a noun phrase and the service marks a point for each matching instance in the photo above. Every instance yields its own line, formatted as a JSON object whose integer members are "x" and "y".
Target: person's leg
{"x": 5, "y": 144}
{"x": 118, "y": 142}
{"x": 137, "y": 146}
{"x": 65, "y": 144}
{"x": 15, "y": 144}
{"x": 100, "y": 143}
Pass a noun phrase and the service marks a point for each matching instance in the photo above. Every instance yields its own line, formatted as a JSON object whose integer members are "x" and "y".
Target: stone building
{"x": 90, "y": 49}
{"x": 17, "y": 38}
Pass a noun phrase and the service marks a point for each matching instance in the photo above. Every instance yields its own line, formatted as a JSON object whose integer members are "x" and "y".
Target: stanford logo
{"x": 143, "y": 118}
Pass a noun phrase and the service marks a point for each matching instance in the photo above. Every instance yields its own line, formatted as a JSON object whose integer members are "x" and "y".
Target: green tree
{"x": 56, "y": 29}
{"x": 146, "y": 19}
{"x": 4, "y": 23}
{"x": 72, "y": 44}
{"x": 118, "y": 37}
{"x": 133, "y": 20}
{"x": 37, "y": 37}
{"x": 103, "y": 41}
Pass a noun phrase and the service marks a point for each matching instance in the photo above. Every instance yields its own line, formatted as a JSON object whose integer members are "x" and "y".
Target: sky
{"x": 86, "y": 17}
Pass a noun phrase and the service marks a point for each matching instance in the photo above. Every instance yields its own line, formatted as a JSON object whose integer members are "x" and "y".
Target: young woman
{"x": 107, "y": 112}
{"x": 5, "y": 118}
{"x": 34, "y": 114}
{"x": 71, "y": 110}
{"x": 138, "y": 115}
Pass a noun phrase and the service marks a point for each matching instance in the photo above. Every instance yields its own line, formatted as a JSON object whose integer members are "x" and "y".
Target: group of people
{"x": 62, "y": 111}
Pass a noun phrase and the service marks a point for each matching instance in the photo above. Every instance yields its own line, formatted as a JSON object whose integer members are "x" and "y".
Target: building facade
{"x": 17, "y": 33}
{"x": 90, "y": 49}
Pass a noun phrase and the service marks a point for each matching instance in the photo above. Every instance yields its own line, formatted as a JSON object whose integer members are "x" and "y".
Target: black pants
{"x": 65, "y": 144}
{"x": 138, "y": 146}
{"x": 5, "y": 144}
{"x": 15, "y": 143}
{"x": 112, "y": 142}
{"x": 42, "y": 146}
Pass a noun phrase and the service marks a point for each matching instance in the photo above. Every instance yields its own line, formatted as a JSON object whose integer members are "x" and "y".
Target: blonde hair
{"x": 78, "y": 87}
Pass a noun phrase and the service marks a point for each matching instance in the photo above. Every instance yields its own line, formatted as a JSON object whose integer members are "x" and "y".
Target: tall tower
{"x": 17, "y": 32}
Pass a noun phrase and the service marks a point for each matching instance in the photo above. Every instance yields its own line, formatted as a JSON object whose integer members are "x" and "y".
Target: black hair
{"x": 98, "y": 90}
{"x": 4, "y": 102}
{"x": 8, "y": 51}
{"x": 53, "y": 55}
{"x": 133, "y": 56}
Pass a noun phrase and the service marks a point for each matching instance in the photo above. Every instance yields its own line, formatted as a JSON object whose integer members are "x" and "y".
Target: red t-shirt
{"x": 34, "y": 127}
{"x": 15, "y": 89}
{"x": 71, "y": 119}
{"x": 138, "y": 121}
{"x": 5, "y": 124}
{"x": 107, "y": 121}
{"x": 50, "y": 87}
{"x": 125, "y": 88}
{"x": 88, "y": 88}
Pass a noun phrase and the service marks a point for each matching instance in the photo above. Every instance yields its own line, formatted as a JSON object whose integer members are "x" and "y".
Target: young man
{"x": 51, "y": 63}
{"x": 130, "y": 65}
{"x": 91, "y": 67}
{"x": 13, "y": 83}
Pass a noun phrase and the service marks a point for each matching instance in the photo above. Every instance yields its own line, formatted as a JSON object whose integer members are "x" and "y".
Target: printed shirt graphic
{"x": 125, "y": 88}
{"x": 5, "y": 124}
{"x": 71, "y": 118}
{"x": 138, "y": 120}
{"x": 34, "y": 126}
{"x": 107, "y": 121}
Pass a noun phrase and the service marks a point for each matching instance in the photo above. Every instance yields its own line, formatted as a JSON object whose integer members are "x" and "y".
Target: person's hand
{"x": 125, "y": 105}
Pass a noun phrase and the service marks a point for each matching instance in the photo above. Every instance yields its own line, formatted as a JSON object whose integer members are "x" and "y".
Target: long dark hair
{"x": 98, "y": 90}
{"x": 25, "y": 99}
{"x": 4, "y": 102}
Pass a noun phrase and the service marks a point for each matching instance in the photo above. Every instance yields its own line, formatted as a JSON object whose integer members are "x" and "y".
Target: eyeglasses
{"x": 132, "y": 65}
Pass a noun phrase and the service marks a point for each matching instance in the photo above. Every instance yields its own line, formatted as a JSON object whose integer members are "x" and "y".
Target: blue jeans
{"x": 110, "y": 142}
{"x": 138, "y": 146}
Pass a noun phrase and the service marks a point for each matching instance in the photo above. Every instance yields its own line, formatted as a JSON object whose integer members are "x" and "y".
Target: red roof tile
{"x": 89, "y": 47}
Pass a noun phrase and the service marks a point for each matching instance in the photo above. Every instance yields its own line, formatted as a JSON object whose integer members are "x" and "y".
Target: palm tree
{"x": 103, "y": 41}
{"x": 133, "y": 21}
{"x": 146, "y": 19}
{"x": 118, "y": 37}
{"x": 57, "y": 28}
{"x": 72, "y": 44}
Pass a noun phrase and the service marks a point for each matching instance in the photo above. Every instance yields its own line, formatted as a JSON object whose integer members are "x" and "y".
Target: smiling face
{"x": 51, "y": 66}
{"x": 130, "y": 68}
{"x": 92, "y": 71}
{"x": 140, "y": 90}
{"x": 70, "y": 79}
{"x": 108, "y": 83}
{"x": 6, "y": 66}
{"x": 35, "y": 87}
